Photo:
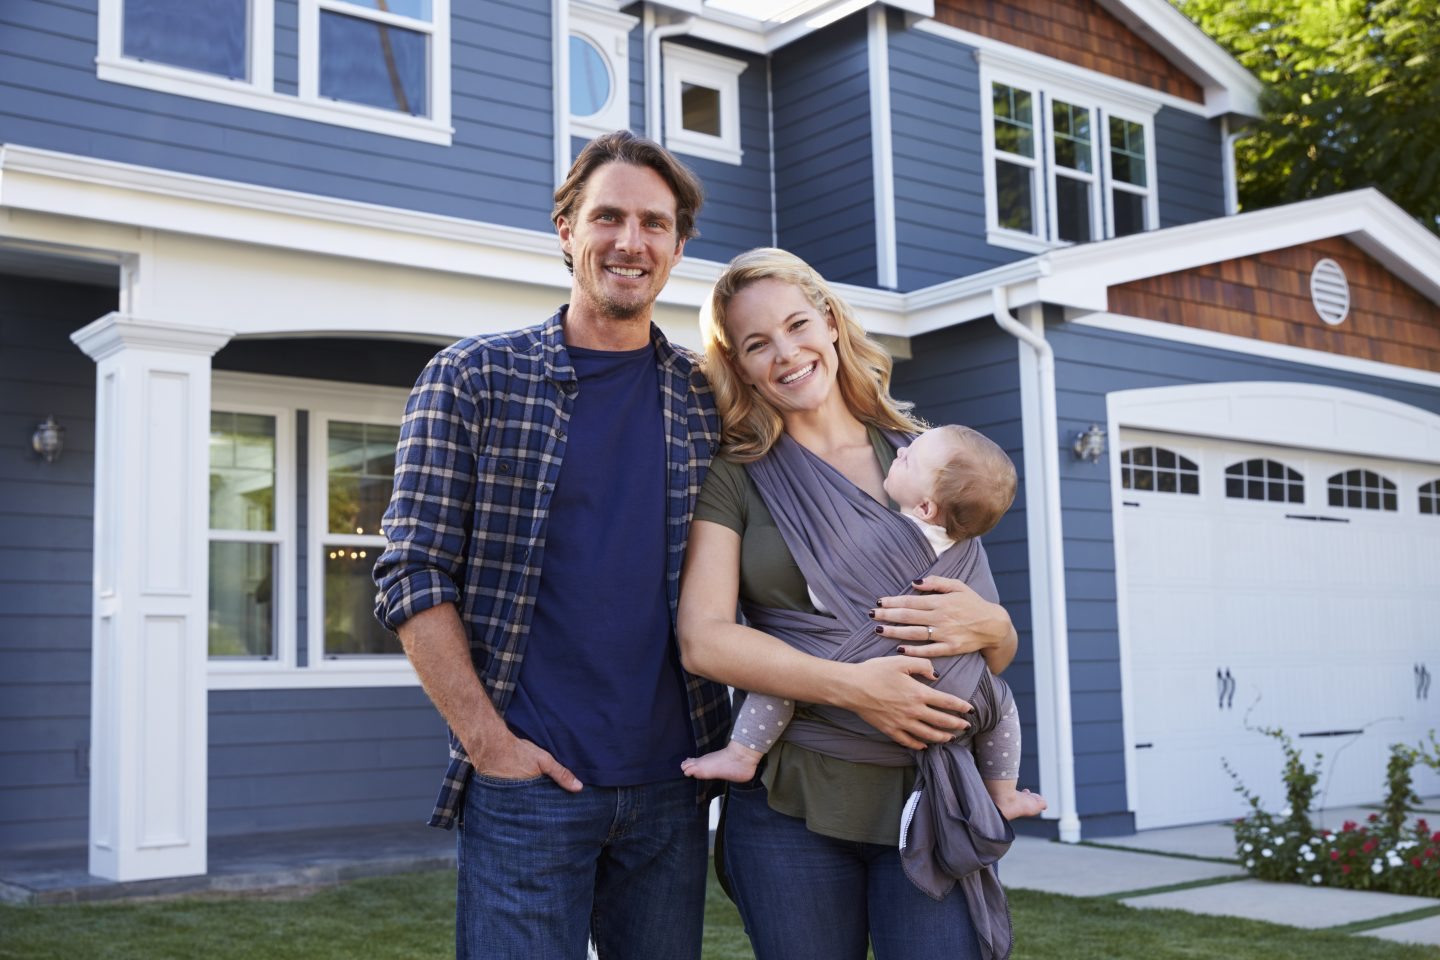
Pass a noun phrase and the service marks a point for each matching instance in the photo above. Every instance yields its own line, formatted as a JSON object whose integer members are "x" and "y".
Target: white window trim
{"x": 997, "y": 235}
{"x": 610, "y": 33}
{"x": 284, "y": 609}
{"x": 1099, "y": 227}
{"x": 688, "y": 65}
{"x": 1045, "y": 87}
{"x": 324, "y": 401}
{"x": 258, "y": 91}
{"x": 380, "y": 411}
{"x": 1150, "y": 191}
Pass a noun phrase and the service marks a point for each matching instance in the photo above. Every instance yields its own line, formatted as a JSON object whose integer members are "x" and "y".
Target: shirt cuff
{"x": 412, "y": 594}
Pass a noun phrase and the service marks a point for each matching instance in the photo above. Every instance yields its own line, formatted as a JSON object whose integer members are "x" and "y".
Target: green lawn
{"x": 410, "y": 917}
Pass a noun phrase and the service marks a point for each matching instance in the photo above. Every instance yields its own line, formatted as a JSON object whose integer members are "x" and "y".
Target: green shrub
{"x": 1383, "y": 854}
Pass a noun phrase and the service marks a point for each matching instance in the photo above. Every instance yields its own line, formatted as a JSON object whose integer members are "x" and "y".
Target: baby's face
{"x": 912, "y": 475}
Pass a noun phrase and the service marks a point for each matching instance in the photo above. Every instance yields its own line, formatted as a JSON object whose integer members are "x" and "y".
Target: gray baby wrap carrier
{"x": 852, "y": 550}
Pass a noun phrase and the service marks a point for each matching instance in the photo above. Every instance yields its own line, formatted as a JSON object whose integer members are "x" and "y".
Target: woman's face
{"x": 784, "y": 346}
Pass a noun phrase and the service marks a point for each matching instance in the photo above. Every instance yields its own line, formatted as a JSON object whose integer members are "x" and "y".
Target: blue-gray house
{"x": 231, "y": 232}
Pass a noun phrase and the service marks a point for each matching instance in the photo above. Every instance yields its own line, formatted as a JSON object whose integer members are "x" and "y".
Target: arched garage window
{"x": 1363, "y": 490}
{"x": 1430, "y": 498}
{"x": 1261, "y": 479}
{"x": 1158, "y": 470}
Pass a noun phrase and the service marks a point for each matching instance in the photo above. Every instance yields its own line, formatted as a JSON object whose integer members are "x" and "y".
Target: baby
{"x": 955, "y": 483}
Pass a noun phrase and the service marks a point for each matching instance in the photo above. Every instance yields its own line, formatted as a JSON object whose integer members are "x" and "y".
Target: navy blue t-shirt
{"x": 601, "y": 687}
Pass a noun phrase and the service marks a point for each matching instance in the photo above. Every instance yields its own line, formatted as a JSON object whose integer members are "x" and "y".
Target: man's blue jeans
{"x": 542, "y": 870}
{"x": 806, "y": 895}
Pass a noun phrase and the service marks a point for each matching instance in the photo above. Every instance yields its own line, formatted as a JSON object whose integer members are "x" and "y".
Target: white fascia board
{"x": 1081, "y": 275}
{"x": 1192, "y": 50}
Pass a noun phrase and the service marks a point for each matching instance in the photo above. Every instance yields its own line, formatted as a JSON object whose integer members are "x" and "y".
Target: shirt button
{"x": 503, "y": 467}
{"x": 568, "y": 386}
{"x": 544, "y": 488}
{"x": 559, "y": 434}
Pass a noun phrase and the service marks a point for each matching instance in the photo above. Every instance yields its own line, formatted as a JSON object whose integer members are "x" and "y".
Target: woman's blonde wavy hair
{"x": 750, "y": 425}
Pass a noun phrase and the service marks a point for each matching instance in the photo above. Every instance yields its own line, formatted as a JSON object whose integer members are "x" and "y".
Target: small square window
{"x": 702, "y": 103}
{"x": 375, "y": 64}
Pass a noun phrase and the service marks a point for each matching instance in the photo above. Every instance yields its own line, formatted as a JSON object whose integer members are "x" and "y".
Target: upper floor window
{"x": 1362, "y": 490}
{"x": 702, "y": 103}
{"x": 1158, "y": 470}
{"x": 377, "y": 65}
{"x": 1063, "y": 166}
{"x": 1262, "y": 479}
{"x": 599, "y": 70}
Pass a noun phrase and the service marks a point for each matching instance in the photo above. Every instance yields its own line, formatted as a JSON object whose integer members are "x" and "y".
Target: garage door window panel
{"x": 1430, "y": 498}
{"x": 1362, "y": 490}
{"x": 1263, "y": 479}
{"x": 1158, "y": 470}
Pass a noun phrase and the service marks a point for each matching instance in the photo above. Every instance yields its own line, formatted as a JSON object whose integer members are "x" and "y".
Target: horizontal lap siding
{"x": 47, "y": 515}
{"x": 938, "y": 161}
{"x": 1089, "y": 364}
{"x": 498, "y": 170}
{"x": 292, "y": 759}
{"x": 969, "y": 374}
{"x": 1189, "y": 167}
{"x": 824, "y": 180}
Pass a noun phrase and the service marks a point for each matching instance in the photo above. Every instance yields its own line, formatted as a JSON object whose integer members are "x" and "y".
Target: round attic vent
{"x": 1330, "y": 291}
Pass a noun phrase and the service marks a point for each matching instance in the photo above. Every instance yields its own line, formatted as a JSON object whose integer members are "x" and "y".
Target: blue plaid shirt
{"x": 479, "y": 456}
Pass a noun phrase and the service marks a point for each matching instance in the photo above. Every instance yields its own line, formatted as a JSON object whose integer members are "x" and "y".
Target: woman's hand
{"x": 888, "y": 693}
{"x": 946, "y": 619}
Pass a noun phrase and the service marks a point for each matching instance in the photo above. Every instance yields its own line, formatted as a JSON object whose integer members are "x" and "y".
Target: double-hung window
{"x": 377, "y": 65}
{"x": 298, "y": 484}
{"x": 1064, "y": 164}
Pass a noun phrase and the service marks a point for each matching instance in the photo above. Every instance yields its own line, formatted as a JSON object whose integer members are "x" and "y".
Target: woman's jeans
{"x": 542, "y": 870}
{"x": 805, "y": 895}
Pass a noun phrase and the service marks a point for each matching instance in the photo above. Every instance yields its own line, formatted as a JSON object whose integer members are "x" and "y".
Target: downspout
{"x": 560, "y": 24}
{"x": 654, "y": 89}
{"x": 1227, "y": 164}
{"x": 1054, "y": 557}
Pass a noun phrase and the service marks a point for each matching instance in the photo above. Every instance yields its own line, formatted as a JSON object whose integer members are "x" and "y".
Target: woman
{"x": 810, "y": 847}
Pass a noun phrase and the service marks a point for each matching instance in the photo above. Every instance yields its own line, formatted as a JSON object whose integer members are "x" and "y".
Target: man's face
{"x": 622, "y": 240}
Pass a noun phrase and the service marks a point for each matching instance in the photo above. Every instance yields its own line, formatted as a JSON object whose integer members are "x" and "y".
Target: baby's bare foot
{"x": 1020, "y": 803}
{"x": 733, "y": 762}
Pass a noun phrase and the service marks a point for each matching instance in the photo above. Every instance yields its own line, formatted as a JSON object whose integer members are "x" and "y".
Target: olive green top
{"x": 836, "y": 798}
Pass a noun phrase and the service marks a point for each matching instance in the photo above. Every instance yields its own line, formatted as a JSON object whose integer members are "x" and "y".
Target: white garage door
{"x": 1274, "y": 587}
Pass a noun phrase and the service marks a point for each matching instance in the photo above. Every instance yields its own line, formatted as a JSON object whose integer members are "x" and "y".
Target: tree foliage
{"x": 1352, "y": 97}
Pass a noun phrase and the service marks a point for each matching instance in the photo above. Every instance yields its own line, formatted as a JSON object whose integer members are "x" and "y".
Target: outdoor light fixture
{"x": 49, "y": 440}
{"x": 1090, "y": 444}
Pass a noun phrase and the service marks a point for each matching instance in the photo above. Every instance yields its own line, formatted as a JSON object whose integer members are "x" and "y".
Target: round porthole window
{"x": 589, "y": 78}
{"x": 1330, "y": 291}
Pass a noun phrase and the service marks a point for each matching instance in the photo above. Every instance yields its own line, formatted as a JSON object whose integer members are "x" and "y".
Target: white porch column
{"x": 148, "y": 722}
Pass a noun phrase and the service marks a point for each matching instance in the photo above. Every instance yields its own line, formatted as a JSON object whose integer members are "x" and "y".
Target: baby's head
{"x": 954, "y": 477}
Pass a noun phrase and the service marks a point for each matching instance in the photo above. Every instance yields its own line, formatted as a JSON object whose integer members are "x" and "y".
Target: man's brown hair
{"x": 622, "y": 146}
{"x": 975, "y": 486}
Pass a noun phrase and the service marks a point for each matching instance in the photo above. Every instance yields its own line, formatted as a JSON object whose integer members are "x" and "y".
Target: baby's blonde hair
{"x": 750, "y": 424}
{"x": 975, "y": 486}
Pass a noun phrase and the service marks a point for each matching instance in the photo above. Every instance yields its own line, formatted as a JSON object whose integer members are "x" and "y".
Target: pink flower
{"x": 1436, "y": 837}
{"x": 1344, "y": 868}
{"x": 1334, "y": 854}
{"x": 1373, "y": 817}
{"x": 1422, "y": 826}
{"x": 1368, "y": 845}
{"x": 1416, "y": 862}
{"x": 1347, "y": 826}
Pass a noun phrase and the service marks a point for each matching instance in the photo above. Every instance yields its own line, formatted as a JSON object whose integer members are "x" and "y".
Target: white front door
{"x": 1276, "y": 587}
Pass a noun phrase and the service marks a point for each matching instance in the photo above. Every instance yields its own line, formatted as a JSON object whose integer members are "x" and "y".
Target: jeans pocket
{"x": 503, "y": 783}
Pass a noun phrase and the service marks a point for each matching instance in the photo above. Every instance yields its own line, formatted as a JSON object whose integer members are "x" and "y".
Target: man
{"x": 544, "y": 485}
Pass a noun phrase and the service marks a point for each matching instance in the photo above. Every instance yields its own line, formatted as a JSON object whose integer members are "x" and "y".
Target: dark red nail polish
{"x": 872, "y": 614}
{"x": 918, "y": 582}
{"x": 880, "y": 630}
{"x": 902, "y": 651}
